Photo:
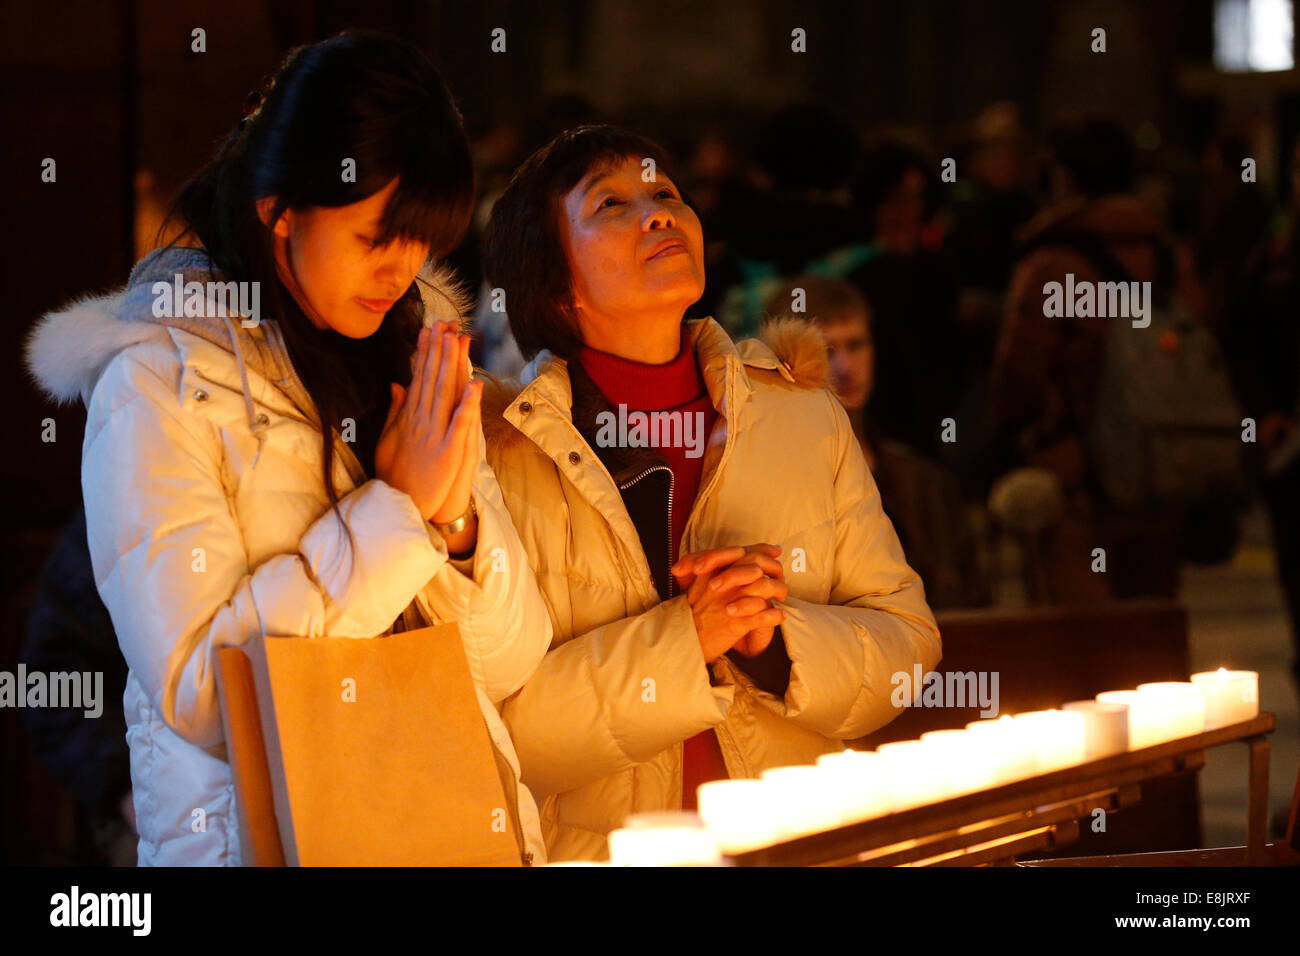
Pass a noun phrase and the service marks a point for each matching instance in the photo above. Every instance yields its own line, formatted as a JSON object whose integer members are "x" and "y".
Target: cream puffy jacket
{"x": 599, "y": 727}
{"x": 208, "y": 523}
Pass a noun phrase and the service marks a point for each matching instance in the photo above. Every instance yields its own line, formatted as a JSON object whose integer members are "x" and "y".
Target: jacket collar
{"x": 722, "y": 363}
{"x": 557, "y": 405}
{"x": 69, "y": 348}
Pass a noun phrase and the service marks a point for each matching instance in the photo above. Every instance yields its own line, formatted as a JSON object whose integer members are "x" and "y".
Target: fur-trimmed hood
{"x": 794, "y": 348}
{"x": 69, "y": 348}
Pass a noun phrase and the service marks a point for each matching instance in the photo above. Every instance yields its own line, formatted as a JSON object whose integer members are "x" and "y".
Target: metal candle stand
{"x": 1037, "y": 814}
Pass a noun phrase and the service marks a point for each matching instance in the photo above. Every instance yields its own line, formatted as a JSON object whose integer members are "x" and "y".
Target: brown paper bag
{"x": 373, "y": 752}
{"x": 259, "y": 833}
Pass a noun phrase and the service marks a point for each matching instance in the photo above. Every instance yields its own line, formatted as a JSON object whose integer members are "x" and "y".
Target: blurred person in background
{"x": 1047, "y": 369}
{"x": 912, "y": 289}
{"x": 791, "y": 213}
{"x": 991, "y": 202}
{"x": 921, "y": 497}
{"x": 1262, "y": 344}
{"x": 1232, "y": 221}
{"x": 69, "y": 631}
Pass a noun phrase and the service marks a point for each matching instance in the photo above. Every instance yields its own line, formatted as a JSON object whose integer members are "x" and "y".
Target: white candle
{"x": 740, "y": 814}
{"x": 1182, "y": 708}
{"x": 1105, "y": 727}
{"x": 1012, "y": 748}
{"x": 968, "y": 759}
{"x": 671, "y": 838}
{"x": 1230, "y": 696}
{"x": 1058, "y": 737}
{"x": 804, "y": 798}
{"x": 913, "y": 773}
{"x": 857, "y": 784}
{"x": 1143, "y": 716}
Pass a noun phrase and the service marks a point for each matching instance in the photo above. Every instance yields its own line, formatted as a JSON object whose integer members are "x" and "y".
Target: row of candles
{"x": 850, "y": 786}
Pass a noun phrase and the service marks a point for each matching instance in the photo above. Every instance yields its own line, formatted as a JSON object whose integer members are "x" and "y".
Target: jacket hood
{"x": 69, "y": 348}
{"x": 792, "y": 347}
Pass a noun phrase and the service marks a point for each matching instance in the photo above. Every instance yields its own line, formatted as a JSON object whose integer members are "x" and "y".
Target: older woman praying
{"x": 723, "y": 603}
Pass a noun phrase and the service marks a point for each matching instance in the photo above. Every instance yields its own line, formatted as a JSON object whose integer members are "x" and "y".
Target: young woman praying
{"x": 315, "y": 469}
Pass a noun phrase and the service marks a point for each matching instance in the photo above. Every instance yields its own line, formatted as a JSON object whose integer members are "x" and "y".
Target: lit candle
{"x": 1230, "y": 696}
{"x": 671, "y": 838}
{"x": 857, "y": 784}
{"x": 1143, "y": 716}
{"x": 804, "y": 798}
{"x": 1182, "y": 708}
{"x": 1014, "y": 756}
{"x": 913, "y": 773}
{"x": 740, "y": 814}
{"x": 1105, "y": 727}
{"x": 1057, "y": 736}
{"x": 967, "y": 758}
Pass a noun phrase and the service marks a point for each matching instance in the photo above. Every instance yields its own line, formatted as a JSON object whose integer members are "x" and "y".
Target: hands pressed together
{"x": 731, "y": 591}
{"x": 429, "y": 447}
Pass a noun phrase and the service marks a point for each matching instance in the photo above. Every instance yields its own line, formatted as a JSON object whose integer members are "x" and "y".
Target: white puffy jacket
{"x": 208, "y": 523}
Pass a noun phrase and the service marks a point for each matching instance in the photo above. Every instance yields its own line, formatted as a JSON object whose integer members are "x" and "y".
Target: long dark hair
{"x": 378, "y": 101}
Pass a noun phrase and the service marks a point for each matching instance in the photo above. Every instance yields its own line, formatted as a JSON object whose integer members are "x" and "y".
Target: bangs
{"x": 427, "y": 209}
{"x": 591, "y": 150}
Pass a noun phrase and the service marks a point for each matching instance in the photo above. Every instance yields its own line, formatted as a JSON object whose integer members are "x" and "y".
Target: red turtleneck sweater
{"x": 673, "y": 386}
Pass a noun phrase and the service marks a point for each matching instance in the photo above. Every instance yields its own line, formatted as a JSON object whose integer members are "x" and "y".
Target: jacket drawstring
{"x": 258, "y": 425}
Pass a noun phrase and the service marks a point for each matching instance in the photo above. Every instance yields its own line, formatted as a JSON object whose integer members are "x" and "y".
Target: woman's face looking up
{"x": 635, "y": 248}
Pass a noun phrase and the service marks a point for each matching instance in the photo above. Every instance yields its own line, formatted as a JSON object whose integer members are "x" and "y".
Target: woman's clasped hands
{"x": 429, "y": 446}
{"x": 731, "y": 591}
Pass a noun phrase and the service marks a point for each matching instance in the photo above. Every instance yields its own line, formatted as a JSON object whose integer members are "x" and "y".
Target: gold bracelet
{"x": 460, "y": 524}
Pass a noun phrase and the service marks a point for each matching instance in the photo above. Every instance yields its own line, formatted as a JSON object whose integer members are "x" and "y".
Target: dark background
{"x": 113, "y": 89}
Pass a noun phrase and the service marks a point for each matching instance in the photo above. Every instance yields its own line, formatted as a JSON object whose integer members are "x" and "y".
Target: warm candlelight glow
{"x": 1230, "y": 696}
{"x": 1057, "y": 737}
{"x": 1105, "y": 730}
{"x": 914, "y": 773}
{"x": 850, "y": 786}
{"x": 740, "y": 814}
{"x": 857, "y": 784}
{"x": 1182, "y": 708}
{"x": 1143, "y": 716}
{"x": 663, "y": 839}
{"x": 968, "y": 759}
{"x": 1160, "y": 711}
{"x": 804, "y": 798}
{"x": 1013, "y": 753}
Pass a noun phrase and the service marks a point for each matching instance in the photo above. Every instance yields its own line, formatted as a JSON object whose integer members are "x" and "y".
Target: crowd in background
{"x": 924, "y": 264}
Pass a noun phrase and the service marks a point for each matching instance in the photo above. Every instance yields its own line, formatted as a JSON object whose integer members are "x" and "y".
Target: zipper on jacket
{"x": 672, "y": 581}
